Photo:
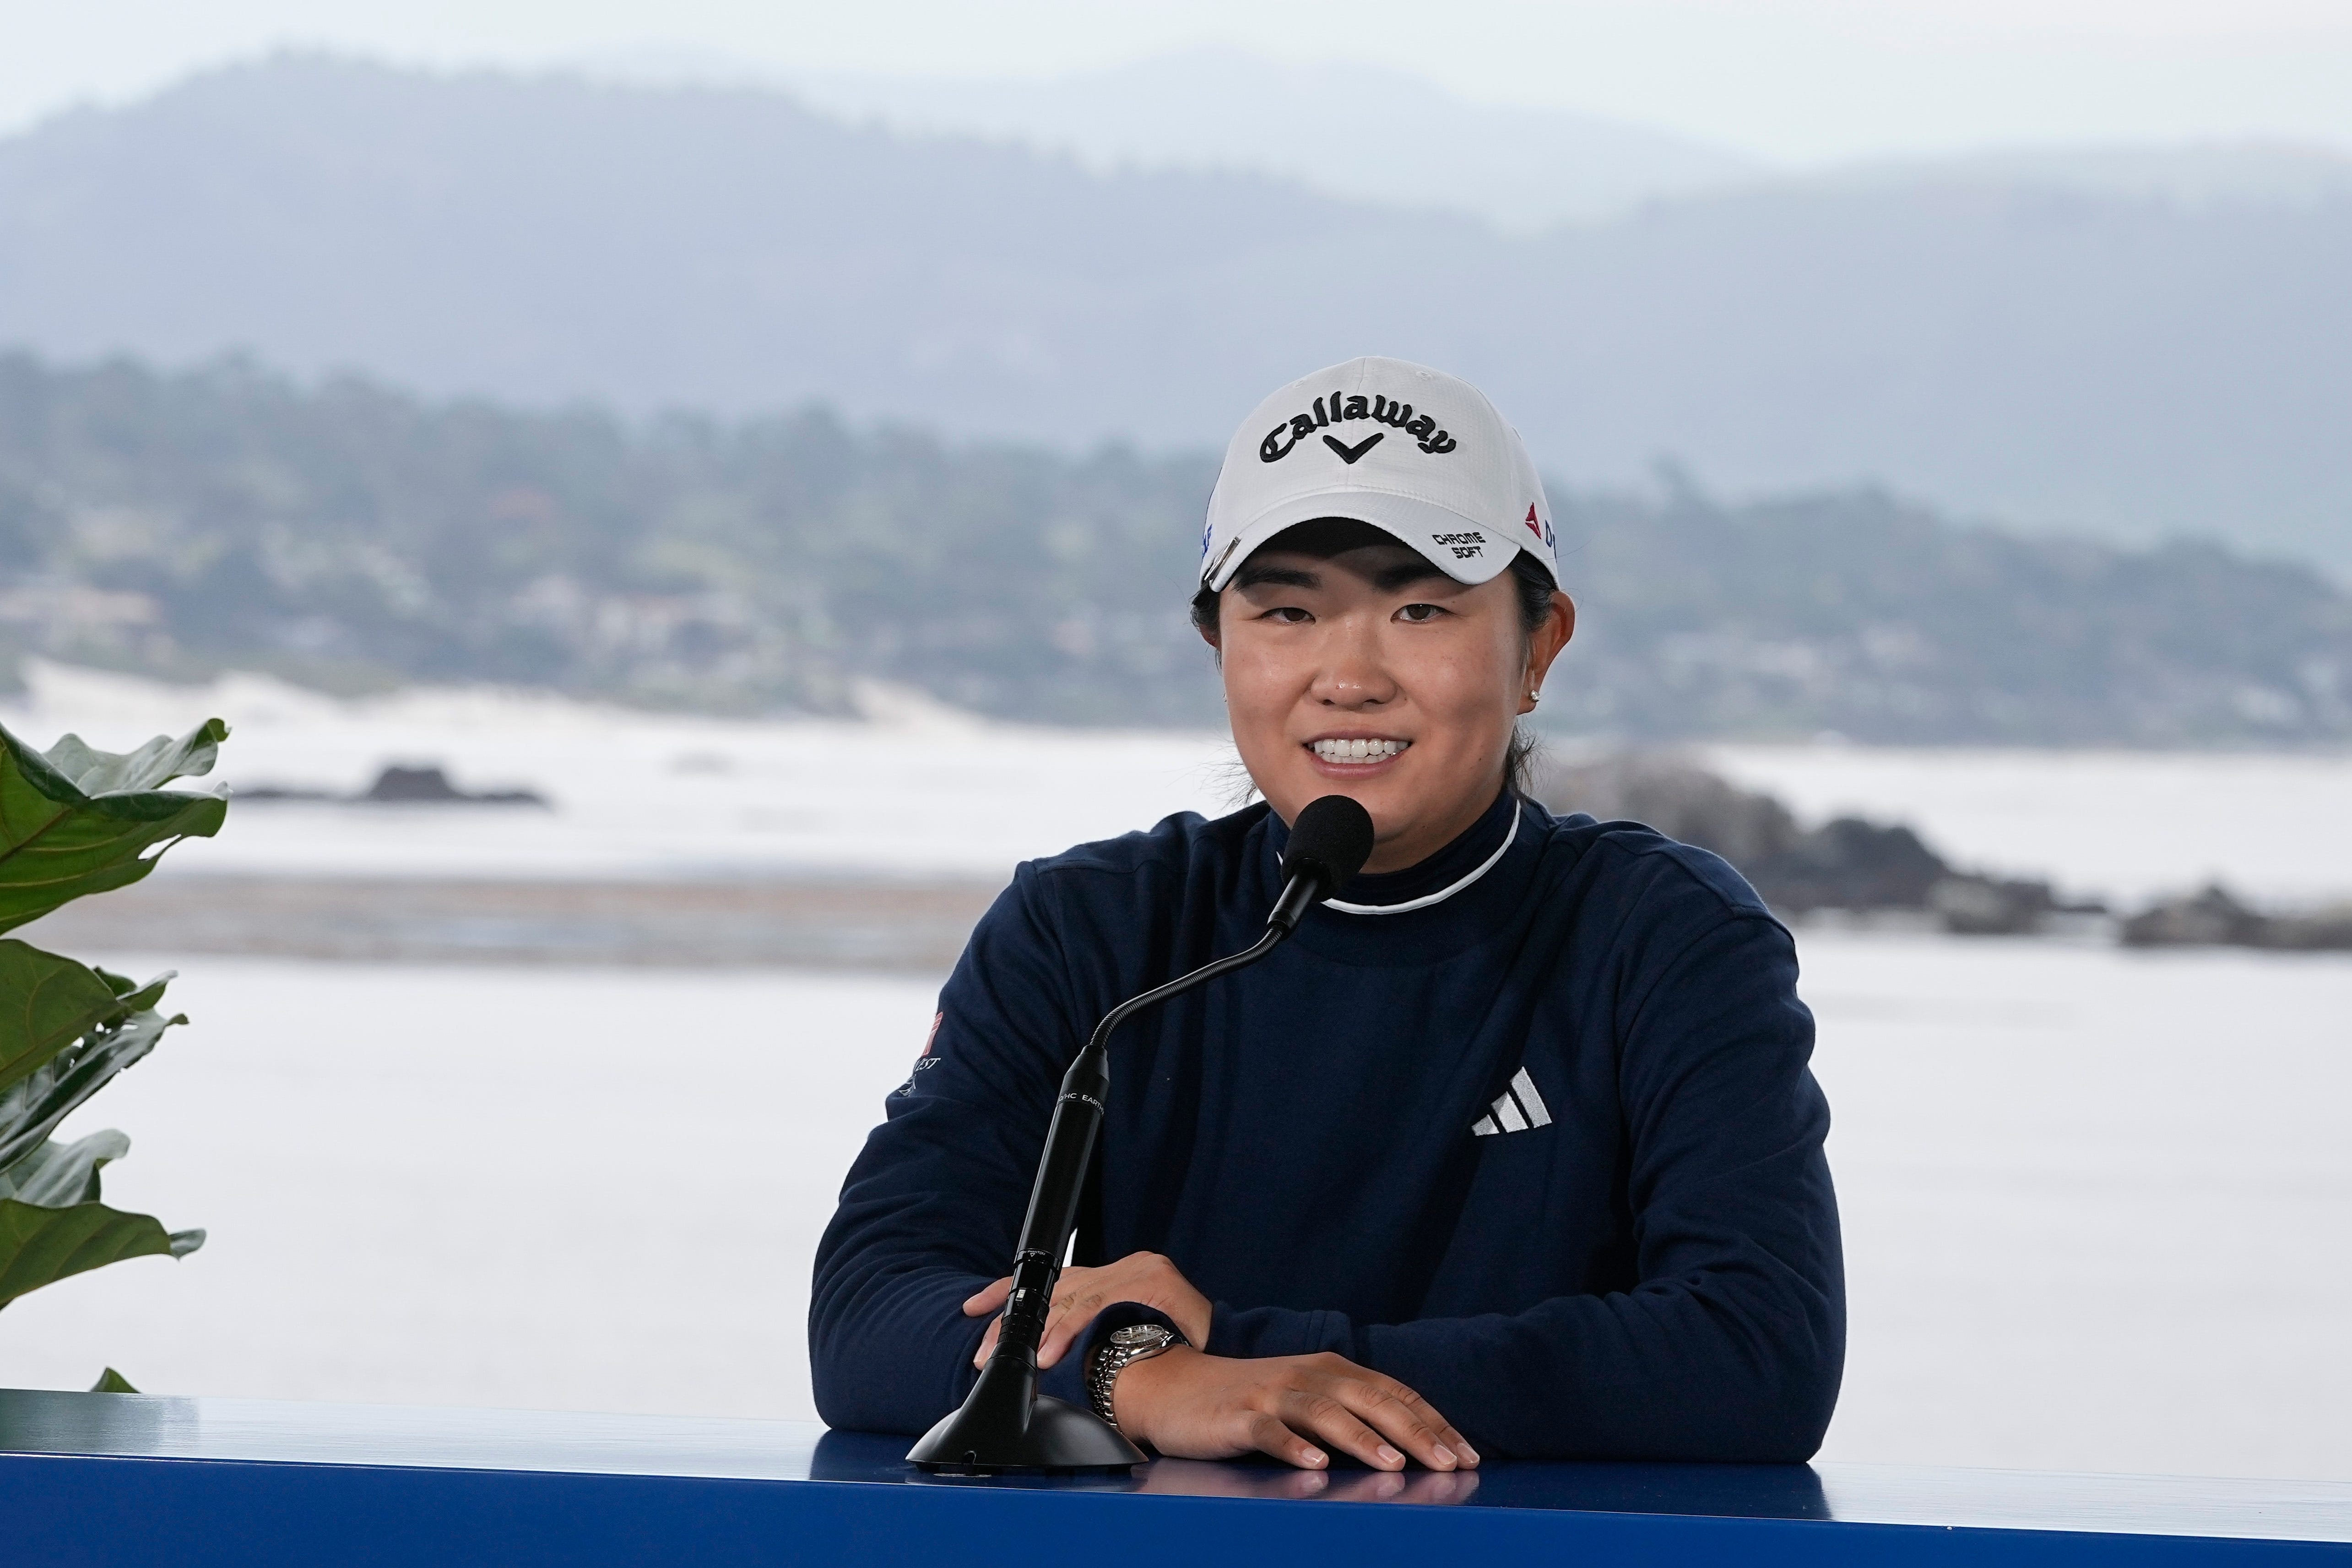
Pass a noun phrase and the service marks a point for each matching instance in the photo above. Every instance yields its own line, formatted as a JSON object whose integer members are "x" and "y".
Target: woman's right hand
{"x": 1186, "y": 1403}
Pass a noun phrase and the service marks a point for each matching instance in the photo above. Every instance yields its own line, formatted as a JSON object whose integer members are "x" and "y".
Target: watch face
{"x": 1136, "y": 1336}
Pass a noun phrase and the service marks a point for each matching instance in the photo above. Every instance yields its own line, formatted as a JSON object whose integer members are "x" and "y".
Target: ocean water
{"x": 2097, "y": 1204}
{"x": 2124, "y": 825}
{"x": 924, "y": 792}
{"x": 2096, "y": 1201}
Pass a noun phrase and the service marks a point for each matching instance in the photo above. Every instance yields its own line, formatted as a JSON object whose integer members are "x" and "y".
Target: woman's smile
{"x": 1355, "y": 756}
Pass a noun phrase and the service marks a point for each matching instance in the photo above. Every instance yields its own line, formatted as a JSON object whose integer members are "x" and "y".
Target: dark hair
{"x": 1327, "y": 536}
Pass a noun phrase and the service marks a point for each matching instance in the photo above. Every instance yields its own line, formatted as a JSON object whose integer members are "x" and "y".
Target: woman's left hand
{"x": 1144, "y": 1277}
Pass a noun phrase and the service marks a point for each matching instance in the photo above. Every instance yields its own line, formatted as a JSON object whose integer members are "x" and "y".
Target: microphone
{"x": 1329, "y": 844}
{"x": 1005, "y": 1424}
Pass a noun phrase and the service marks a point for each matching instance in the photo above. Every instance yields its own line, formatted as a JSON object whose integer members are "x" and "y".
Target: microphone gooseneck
{"x": 1003, "y": 1424}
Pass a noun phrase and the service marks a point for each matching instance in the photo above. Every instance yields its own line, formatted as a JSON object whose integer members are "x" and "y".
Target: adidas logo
{"x": 1516, "y": 1110}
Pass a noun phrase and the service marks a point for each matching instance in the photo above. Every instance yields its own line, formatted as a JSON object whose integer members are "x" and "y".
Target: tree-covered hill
{"x": 2118, "y": 354}
{"x": 352, "y": 536}
{"x": 1856, "y": 613}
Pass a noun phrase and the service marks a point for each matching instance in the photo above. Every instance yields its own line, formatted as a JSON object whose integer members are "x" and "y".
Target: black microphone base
{"x": 1005, "y": 1426}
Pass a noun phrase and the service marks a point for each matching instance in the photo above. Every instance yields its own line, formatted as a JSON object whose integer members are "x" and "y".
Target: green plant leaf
{"x": 112, "y": 1382}
{"x": 42, "y": 1246}
{"x": 31, "y": 1108}
{"x": 135, "y": 996}
{"x": 46, "y": 1002}
{"x": 56, "y": 1175}
{"x": 75, "y": 820}
{"x": 97, "y": 773}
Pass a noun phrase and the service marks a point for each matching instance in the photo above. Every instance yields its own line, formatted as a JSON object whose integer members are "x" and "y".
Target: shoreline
{"x": 895, "y": 926}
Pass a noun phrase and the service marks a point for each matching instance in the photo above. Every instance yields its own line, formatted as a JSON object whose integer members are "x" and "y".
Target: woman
{"x": 1511, "y": 1150}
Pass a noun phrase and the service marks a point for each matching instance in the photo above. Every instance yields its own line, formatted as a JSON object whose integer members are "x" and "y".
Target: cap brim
{"x": 1467, "y": 552}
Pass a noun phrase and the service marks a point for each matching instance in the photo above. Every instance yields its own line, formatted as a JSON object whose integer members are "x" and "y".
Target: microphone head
{"x": 1333, "y": 835}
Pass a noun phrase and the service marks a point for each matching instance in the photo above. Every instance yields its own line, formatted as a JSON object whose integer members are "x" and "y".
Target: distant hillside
{"x": 1520, "y": 169}
{"x": 2101, "y": 347}
{"x": 1856, "y": 613}
{"x": 352, "y": 536}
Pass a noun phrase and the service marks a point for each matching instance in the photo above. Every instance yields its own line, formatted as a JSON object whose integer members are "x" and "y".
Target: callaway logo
{"x": 1423, "y": 429}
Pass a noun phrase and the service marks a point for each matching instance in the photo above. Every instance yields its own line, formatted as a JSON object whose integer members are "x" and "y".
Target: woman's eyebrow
{"x": 1280, "y": 576}
{"x": 1404, "y": 574}
{"x": 1387, "y": 579}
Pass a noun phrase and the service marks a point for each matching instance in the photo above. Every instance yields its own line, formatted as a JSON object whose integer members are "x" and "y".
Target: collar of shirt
{"x": 1469, "y": 914}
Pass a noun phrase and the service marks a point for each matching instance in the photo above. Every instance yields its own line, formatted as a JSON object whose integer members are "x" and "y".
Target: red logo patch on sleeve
{"x": 922, "y": 1063}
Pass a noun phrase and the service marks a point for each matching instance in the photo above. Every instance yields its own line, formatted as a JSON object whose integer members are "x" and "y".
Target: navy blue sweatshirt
{"x": 1547, "y": 1152}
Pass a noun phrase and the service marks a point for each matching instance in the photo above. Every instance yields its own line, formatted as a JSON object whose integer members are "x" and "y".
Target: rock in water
{"x": 2213, "y": 918}
{"x": 430, "y": 786}
{"x": 1846, "y": 864}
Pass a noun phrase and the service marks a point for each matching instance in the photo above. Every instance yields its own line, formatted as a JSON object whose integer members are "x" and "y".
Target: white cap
{"x": 1412, "y": 451}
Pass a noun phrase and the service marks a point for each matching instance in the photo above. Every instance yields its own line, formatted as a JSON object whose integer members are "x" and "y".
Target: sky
{"x": 1797, "y": 82}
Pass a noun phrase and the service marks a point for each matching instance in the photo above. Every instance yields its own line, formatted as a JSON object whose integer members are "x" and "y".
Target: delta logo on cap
{"x": 1412, "y": 451}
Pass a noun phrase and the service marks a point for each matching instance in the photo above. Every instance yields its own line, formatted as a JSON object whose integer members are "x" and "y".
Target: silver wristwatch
{"x": 1123, "y": 1349}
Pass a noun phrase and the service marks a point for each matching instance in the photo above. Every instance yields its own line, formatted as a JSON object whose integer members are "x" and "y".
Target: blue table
{"x": 90, "y": 1478}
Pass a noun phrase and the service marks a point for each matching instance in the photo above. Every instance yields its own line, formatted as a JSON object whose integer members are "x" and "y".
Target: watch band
{"x": 1123, "y": 1349}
